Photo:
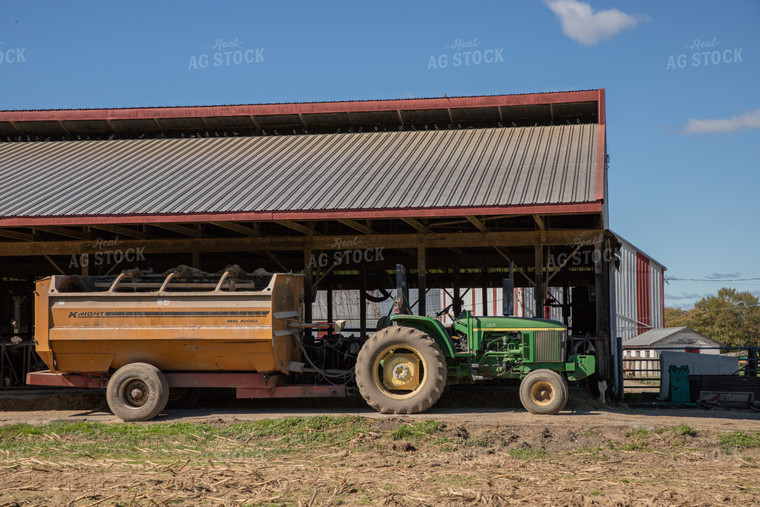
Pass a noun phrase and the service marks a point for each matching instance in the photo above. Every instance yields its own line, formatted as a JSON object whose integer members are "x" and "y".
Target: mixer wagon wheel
{"x": 543, "y": 392}
{"x": 137, "y": 392}
{"x": 400, "y": 370}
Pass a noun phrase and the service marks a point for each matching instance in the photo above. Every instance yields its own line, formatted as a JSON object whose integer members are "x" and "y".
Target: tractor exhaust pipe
{"x": 508, "y": 293}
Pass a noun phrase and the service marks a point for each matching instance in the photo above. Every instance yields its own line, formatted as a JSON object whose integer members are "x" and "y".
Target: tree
{"x": 730, "y": 317}
{"x": 676, "y": 317}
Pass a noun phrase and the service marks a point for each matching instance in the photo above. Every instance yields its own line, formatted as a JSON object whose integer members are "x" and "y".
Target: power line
{"x": 722, "y": 280}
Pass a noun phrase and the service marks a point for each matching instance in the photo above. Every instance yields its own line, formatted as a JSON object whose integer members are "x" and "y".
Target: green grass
{"x": 686, "y": 430}
{"x": 447, "y": 444}
{"x": 178, "y": 440}
{"x": 633, "y": 446}
{"x": 683, "y": 430}
{"x": 527, "y": 453}
{"x": 640, "y": 442}
{"x": 416, "y": 430}
{"x": 479, "y": 442}
{"x": 739, "y": 439}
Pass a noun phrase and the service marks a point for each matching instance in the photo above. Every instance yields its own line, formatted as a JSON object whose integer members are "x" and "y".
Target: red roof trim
{"x": 304, "y": 108}
{"x": 601, "y": 149}
{"x": 544, "y": 209}
{"x": 601, "y": 156}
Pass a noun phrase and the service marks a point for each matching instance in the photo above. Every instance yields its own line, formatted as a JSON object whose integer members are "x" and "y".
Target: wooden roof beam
{"x": 356, "y": 225}
{"x": 21, "y": 236}
{"x": 120, "y": 231}
{"x": 63, "y": 231}
{"x": 477, "y": 223}
{"x": 416, "y": 224}
{"x": 180, "y": 229}
{"x": 539, "y": 222}
{"x": 299, "y": 243}
{"x": 296, "y": 227}
{"x": 232, "y": 226}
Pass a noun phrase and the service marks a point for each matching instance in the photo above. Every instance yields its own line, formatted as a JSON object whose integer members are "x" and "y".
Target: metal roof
{"x": 378, "y": 170}
{"x": 553, "y": 108}
{"x": 535, "y": 95}
{"x": 654, "y": 336}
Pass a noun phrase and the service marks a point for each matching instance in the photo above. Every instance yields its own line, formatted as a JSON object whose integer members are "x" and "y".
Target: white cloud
{"x": 582, "y": 24}
{"x": 748, "y": 120}
{"x": 684, "y": 296}
{"x": 718, "y": 276}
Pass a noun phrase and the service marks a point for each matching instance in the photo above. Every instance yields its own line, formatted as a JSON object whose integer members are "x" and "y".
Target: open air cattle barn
{"x": 456, "y": 189}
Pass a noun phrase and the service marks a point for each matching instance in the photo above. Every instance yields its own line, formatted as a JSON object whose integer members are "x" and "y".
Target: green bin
{"x": 679, "y": 384}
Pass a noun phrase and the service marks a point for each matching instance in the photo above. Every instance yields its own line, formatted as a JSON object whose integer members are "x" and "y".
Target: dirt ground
{"x": 588, "y": 455}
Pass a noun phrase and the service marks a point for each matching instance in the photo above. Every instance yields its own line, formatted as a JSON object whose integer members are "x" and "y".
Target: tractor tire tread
{"x": 416, "y": 404}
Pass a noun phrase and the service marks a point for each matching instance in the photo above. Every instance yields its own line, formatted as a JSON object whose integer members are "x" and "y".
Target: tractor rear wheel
{"x": 543, "y": 392}
{"x": 400, "y": 370}
{"x": 137, "y": 392}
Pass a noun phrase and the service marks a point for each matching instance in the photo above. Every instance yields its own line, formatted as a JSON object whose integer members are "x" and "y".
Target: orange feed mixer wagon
{"x": 138, "y": 338}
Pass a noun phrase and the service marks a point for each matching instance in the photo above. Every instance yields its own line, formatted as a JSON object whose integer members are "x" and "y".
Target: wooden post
{"x": 362, "y": 300}
{"x": 421, "y": 281}
{"x": 196, "y": 259}
{"x": 307, "y": 283}
{"x": 539, "y": 291}
{"x": 603, "y": 329}
{"x": 457, "y": 300}
{"x": 484, "y": 297}
{"x": 330, "y": 304}
{"x": 598, "y": 291}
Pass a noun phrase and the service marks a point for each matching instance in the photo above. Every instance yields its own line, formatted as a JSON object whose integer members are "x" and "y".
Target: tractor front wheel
{"x": 401, "y": 370}
{"x": 543, "y": 392}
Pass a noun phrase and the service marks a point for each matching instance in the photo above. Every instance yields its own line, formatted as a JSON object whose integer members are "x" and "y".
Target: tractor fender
{"x": 431, "y": 327}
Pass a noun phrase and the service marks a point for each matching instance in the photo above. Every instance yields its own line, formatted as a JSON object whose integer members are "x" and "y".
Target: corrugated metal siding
{"x": 656, "y": 289}
{"x": 638, "y": 286}
{"x": 410, "y": 169}
{"x": 643, "y": 300}
{"x": 625, "y": 293}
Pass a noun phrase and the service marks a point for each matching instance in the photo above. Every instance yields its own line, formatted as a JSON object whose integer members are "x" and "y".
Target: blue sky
{"x": 684, "y": 140}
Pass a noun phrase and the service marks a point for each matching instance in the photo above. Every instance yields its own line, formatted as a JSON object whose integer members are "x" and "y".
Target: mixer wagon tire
{"x": 137, "y": 392}
{"x": 543, "y": 392}
{"x": 400, "y": 370}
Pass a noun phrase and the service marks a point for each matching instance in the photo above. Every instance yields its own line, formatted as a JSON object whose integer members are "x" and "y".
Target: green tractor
{"x": 404, "y": 368}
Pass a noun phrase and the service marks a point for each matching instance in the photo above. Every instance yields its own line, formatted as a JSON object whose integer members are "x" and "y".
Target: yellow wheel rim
{"x": 542, "y": 393}
{"x": 399, "y": 371}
